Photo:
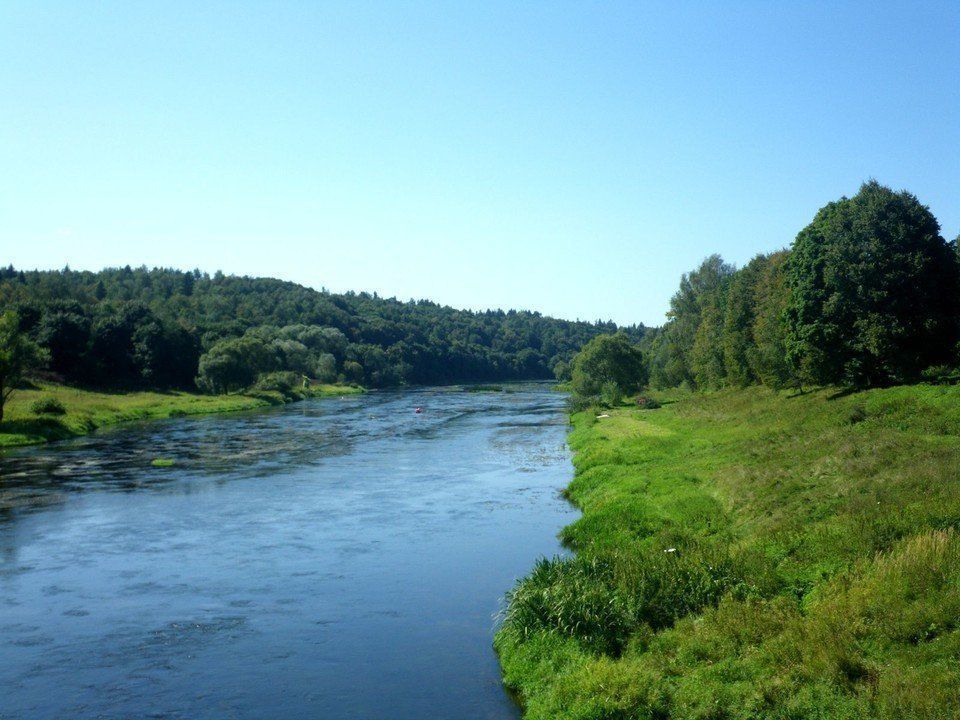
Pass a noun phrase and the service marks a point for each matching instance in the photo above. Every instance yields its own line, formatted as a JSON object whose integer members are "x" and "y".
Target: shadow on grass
{"x": 842, "y": 393}
{"x": 46, "y": 427}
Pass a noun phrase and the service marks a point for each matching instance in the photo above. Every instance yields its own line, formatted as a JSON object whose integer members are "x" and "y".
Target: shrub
{"x": 608, "y": 359}
{"x": 285, "y": 383}
{"x": 47, "y": 406}
{"x": 611, "y": 394}
{"x": 940, "y": 375}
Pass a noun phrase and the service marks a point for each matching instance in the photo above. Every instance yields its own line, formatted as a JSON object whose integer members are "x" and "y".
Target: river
{"x": 332, "y": 559}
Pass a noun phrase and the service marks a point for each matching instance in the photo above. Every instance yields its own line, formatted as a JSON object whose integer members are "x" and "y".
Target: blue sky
{"x": 572, "y": 158}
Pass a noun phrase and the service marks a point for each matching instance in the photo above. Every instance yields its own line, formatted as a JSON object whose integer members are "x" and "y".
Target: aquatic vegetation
{"x": 752, "y": 554}
{"x": 162, "y": 462}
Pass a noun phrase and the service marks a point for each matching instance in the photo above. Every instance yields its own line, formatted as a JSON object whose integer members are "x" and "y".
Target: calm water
{"x": 331, "y": 559}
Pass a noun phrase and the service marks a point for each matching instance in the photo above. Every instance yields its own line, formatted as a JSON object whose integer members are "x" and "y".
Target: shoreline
{"x": 88, "y": 410}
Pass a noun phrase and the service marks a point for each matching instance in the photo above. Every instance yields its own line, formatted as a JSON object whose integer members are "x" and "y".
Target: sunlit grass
{"x": 751, "y": 554}
{"x": 86, "y": 410}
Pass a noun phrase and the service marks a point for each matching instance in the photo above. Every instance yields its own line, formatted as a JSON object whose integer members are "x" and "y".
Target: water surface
{"x": 331, "y": 559}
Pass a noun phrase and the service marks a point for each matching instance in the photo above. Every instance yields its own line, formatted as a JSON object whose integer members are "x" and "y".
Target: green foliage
{"x": 611, "y": 394}
{"x": 18, "y": 356}
{"x": 47, "y": 406}
{"x": 674, "y": 361}
{"x": 608, "y": 365}
{"x": 869, "y": 294}
{"x": 353, "y": 371}
{"x": 325, "y": 368}
{"x": 751, "y": 554}
{"x": 137, "y": 328}
{"x": 602, "y": 600}
{"x": 874, "y": 291}
{"x": 768, "y": 355}
{"x": 234, "y": 364}
{"x": 288, "y": 384}
{"x": 737, "y": 340}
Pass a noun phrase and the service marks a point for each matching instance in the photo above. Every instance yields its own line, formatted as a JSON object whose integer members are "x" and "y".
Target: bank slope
{"x": 746, "y": 554}
{"x": 86, "y": 410}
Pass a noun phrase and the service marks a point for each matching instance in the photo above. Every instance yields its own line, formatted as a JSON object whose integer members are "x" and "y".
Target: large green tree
{"x": 673, "y": 361}
{"x": 605, "y": 361}
{"x": 873, "y": 291}
{"x": 234, "y": 364}
{"x": 18, "y": 355}
{"x": 768, "y": 354}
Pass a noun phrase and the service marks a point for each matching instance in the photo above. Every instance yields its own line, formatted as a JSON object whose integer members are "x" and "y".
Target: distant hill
{"x": 134, "y": 328}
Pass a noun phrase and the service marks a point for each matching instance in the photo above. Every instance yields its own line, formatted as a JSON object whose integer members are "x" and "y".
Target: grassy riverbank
{"x": 86, "y": 410}
{"x": 746, "y": 554}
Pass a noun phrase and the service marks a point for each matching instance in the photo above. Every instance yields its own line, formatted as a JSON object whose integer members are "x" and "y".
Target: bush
{"x": 605, "y": 362}
{"x": 47, "y": 406}
{"x": 940, "y": 375}
{"x": 611, "y": 394}
{"x": 286, "y": 383}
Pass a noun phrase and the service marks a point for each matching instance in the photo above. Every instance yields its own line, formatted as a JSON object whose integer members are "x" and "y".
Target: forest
{"x": 127, "y": 328}
{"x": 867, "y": 296}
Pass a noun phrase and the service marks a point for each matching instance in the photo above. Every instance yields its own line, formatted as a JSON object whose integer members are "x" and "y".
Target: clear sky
{"x": 572, "y": 158}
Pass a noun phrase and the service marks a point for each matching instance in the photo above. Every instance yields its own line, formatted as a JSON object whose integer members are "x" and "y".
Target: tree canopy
{"x": 867, "y": 295}
{"x": 133, "y": 328}
{"x": 608, "y": 365}
{"x": 873, "y": 291}
{"x": 18, "y": 355}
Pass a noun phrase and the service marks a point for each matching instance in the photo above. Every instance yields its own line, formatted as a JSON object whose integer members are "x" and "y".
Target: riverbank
{"x": 87, "y": 410}
{"x": 748, "y": 554}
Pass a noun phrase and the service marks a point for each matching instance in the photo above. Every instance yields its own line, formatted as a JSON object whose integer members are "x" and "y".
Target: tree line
{"x": 162, "y": 328}
{"x": 867, "y": 295}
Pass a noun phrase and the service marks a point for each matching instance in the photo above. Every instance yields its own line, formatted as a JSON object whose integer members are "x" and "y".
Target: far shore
{"x": 87, "y": 410}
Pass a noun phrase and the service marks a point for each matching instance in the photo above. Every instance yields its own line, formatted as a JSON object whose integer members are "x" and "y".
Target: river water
{"x": 332, "y": 559}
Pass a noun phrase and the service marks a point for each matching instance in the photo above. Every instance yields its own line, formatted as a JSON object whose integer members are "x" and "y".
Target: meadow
{"x": 45, "y": 412}
{"x": 750, "y": 554}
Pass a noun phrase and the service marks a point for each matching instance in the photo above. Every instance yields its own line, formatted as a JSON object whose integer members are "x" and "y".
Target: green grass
{"x": 752, "y": 555}
{"x": 86, "y": 410}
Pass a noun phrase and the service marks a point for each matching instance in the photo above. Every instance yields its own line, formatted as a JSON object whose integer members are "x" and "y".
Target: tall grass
{"x": 748, "y": 554}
